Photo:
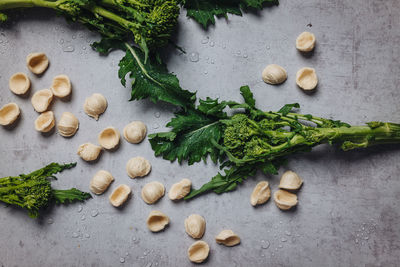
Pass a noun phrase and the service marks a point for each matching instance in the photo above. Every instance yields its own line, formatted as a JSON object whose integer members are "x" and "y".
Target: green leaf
{"x": 189, "y": 138}
{"x": 225, "y": 183}
{"x": 152, "y": 80}
{"x": 248, "y": 96}
{"x": 205, "y": 11}
{"x": 106, "y": 45}
{"x": 287, "y": 108}
{"x": 70, "y": 195}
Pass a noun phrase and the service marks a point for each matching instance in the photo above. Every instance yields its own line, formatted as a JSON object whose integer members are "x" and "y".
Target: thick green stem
{"x": 10, "y": 4}
{"x": 111, "y": 16}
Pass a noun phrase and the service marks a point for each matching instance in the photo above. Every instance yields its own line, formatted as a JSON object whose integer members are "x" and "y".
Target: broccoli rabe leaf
{"x": 288, "y": 107}
{"x": 69, "y": 195}
{"x": 205, "y": 11}
{"x": 189, "y": 138}
{"x": 150, "y": 79}
{"x": 225, "y": 183}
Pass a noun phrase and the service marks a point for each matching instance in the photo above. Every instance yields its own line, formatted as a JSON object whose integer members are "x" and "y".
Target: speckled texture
{"x": 348, "y": 212}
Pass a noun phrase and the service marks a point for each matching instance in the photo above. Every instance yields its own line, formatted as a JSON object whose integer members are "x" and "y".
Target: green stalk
{"x": 111, "y": 16}
{"x": 10, "y": 4}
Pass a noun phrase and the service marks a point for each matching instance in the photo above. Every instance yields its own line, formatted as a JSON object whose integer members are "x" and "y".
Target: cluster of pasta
{"x": 283, "y": 198}
{"x": 41, "y": 100}
{"x": 306, "y": 78}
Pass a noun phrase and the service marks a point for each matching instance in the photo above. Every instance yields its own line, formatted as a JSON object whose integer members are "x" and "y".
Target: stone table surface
{"x": 348, "y": 212}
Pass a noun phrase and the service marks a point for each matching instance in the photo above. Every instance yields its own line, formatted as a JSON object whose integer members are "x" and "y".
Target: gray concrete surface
{"x": 348, "y": 214}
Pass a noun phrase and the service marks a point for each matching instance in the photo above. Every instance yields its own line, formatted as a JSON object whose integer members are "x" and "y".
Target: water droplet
{"x": 262, "y": 255}
{"x": 94, "y": 213}
{"x": 69, "y": 48}
{"x": 81, "y": 35}
{"x": 265, "y": 244}
{"x": 142, "y": 257}
{"x": 366, "y": 237}
{"x": 283, "y": 239}
{"x": 297, "y": 235}
{"x": 61, "y": 41}
{"x": 84, "y": 48}
{"x": 268, "y": 48}
{"x": 133, "y": 238}
{"x": 88, "y": 40}
{"x": 205, "y": 40}
{"x": 87, "y": 235}
{"x": 245, "y": 56}
{"x": 157, "y": 114}
{"x": 276, "y": 249}
{"x": 50, "y": 221}
{"x": 56, "y": 28}
{"x": 194, "y": 57}
{"x": 276, "y": 226}
{"x": 280, "y": 246}
{"x": 126, "y": 253}
{"x": 212, "y": 61}
{"x": 74, "y": 36}
{"x": 272, "y": 254}
{"x": 280, "y": 222}
{"x": 121, "y": 260}
{"x": 83, "y": 217}
{"x": 156, "y": 126}
{"x": 205, "y": 72}
{"x": 156, "y": 264}
{"x": 288, "y": 233}
{"x": 75, "y": 235}
{"x": 62, "y": 31}
{"x": 356, "y": 241}
{"x": 224, "y": 46}
{"x": 80, "y": 208}
{"x": 149, "y": 264}
{"x": 212, "y": 44}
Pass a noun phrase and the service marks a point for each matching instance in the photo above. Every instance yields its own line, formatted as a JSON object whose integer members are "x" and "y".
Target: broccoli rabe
{"x": 254, "y": 139}
{"x": 33, "y": 191}
{"x": 151, "y": 22}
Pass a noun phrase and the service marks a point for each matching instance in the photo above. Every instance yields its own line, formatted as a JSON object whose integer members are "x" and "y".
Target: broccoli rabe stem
{"x": 10, "y": 4}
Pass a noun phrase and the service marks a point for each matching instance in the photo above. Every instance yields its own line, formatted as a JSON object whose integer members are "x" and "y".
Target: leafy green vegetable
{"x": 150, "y": 79}
{"x": 33, "y": 191}
{"x": 252, "y": 139}
{"x": 151, "y": 23}
{"x": 205, "y": 11}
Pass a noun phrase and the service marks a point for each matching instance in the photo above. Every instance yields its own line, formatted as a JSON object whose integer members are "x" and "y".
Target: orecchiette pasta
{"x": 120, "y": 195}
{"x": 100, "y": 182}
{"x": 45, "y": 122}
{"x": 95, "y": 105}
{"x": 68, "y": 124}
{"x": 9, "y": 113}
{"x": 61, "y": 86}
{"x": 37, "y": 62}
{"x": 41, "y": 100}
{"x": 19, "y": 83}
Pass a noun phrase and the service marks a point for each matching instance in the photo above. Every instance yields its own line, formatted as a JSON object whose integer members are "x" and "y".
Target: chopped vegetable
{"x": 254, "y": 139}
{"x": 33, "y": 191}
